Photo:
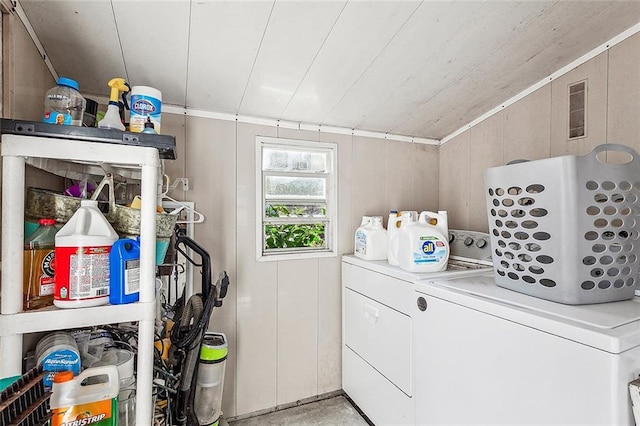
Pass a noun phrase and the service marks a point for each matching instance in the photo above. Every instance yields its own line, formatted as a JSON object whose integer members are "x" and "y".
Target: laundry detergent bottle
{"x": 423, "y": 246}
{"x": 360, "y": 237}
{"x": 371, "y": 239}
{"x": 393, "y": 226}
{"x": 397, "y": 223}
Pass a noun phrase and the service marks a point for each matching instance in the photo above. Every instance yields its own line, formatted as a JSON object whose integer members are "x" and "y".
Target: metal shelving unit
{"x": 57, "y": 155}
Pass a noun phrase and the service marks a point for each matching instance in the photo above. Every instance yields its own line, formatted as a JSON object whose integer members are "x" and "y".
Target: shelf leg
{"x": 13, "y": 181}
{"x": 144, "y": 400}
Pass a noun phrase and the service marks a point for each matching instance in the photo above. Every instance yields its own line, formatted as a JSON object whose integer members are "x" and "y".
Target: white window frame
{"x": 331, "y": 228}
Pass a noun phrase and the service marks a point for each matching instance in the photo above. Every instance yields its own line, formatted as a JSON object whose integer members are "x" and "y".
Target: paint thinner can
{"x": 91, "y": 398}
{"x": 146, "y": 105}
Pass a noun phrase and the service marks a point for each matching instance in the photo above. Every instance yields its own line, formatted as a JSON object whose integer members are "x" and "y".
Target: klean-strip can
{"x": 93, "y": 403}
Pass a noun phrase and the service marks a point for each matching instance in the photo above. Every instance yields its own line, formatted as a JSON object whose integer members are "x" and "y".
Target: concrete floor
{"x": 336, "y": 411}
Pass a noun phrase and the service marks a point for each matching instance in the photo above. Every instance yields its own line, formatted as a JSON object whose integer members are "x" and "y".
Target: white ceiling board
{"x": 142, "y": 27}
{"x": 224, "y": 43}
{"x": 545, "y": 46}
{"x": 295, "y": 34}
{"x": 421, "y": 37}
{"x": 360, "y": 35}
{"x": 421, "y": 69}
{"x": 406, "y": 77}
{"x": 80, "y": 38}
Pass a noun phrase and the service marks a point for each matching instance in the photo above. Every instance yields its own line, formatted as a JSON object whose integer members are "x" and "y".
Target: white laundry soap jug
{"x": 371, "y": 240}
{"x": 360, "y": 237}
{"x": 397, "y": 223}
{"x": 393, "y": 226}
{"x": 423, "y": 246}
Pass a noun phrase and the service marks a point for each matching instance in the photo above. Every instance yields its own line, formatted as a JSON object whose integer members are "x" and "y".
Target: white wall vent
{"x": 578, "y": 110}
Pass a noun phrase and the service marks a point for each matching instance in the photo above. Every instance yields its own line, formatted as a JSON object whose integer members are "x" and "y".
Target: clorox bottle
{"x": 82, "y": 258}
{"x": 93, "y": 403}
{"x": 371, "y": 239}
{"x": 424, "y": 246}
{"x": 397, "y": 222}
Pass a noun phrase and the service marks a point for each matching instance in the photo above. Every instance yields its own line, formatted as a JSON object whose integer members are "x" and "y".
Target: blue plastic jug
{"x": 124, "y": 271}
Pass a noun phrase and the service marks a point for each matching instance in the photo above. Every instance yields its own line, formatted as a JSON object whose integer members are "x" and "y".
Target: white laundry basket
{"x": 566, "y": 228}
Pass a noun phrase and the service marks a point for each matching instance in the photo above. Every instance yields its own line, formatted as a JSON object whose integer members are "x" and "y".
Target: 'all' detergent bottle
{"x": 371, "y": 239}
{"x": 94, "y": 403}
{"x": 423, "y": 246}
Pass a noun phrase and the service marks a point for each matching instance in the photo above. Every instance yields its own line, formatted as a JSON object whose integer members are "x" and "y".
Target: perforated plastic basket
{"x": 566, "y": 228}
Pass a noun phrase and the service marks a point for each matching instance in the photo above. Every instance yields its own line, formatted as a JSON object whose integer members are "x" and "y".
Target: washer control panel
{"x": 470, "y": 245}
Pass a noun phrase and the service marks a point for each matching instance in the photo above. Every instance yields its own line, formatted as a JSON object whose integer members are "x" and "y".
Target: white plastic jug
{"x": 392, "y": 229}
{"x": 423, "y": 246}
{"x": 94, "y": 402}
{"x": 371, "y": 239}
{"x": 397, "y": 222}
{"x": 360, "y": 242}
{"x": 82, "y": 258}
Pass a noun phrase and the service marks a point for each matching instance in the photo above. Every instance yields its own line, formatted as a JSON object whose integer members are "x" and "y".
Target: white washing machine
{"x": 487, "y": 355}
{"x": 377, "y": 351}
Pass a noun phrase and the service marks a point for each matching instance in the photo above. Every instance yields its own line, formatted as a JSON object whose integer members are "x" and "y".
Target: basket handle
{"x": 614, "y": 147}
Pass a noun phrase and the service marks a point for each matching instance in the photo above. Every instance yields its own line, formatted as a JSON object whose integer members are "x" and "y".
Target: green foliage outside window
{"x": 291, "y": 235}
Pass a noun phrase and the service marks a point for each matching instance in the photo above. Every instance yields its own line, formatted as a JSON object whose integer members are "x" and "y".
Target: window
{"x": 296, "y": 193}
{"x": 577, "y": 109}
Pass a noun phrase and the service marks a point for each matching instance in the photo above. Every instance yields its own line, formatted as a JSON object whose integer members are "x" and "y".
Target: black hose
{"x": 193, "y": 312}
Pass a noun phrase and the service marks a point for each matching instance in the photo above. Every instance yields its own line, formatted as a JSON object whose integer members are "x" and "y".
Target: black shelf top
{"x": 165, "y": 144}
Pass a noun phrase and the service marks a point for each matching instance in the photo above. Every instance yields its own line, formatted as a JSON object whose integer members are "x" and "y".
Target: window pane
{"x": 292, "y": 186}
{"x": 295, "y": 210}
{"x": 294, "y": 235}
{"x": 294, "y": 161}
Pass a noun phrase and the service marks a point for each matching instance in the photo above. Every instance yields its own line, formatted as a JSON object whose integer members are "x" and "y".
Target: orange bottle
{"x": 39, "y": 266}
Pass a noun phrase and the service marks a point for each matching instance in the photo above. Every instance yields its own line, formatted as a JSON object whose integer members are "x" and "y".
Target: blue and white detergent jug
{"x": 371, "y": 239}
{"x": 423, "y": 246}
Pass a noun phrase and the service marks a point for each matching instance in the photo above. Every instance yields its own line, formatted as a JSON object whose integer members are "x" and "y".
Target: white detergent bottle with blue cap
{"x": 423, "y": 246}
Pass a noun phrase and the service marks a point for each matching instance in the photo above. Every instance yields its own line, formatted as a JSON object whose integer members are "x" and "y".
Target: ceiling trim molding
{"x": 173, "y": 109}
{"x": 581, "y": 60}
{"x": 6, "y": 6}
{"x": 19, "y": 11}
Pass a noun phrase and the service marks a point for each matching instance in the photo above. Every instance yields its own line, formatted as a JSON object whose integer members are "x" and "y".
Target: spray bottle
{"x": 111, "y": 119}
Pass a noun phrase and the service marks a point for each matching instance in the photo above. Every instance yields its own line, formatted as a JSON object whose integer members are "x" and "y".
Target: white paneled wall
{"x": 282, "y": 319}
{"x": 535, "y": 128}
{"x": 25, "y": 81}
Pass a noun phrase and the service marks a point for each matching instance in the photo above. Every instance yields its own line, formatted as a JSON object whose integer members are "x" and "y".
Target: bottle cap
{"x": 63, "y": 81}
{"x": 149, "y": 123}
{"x": 63, "y": 376}
{"x": 46, "y": 222}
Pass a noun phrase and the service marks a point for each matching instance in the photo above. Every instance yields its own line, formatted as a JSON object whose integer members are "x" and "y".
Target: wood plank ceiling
{"x": 416, "y": 68}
